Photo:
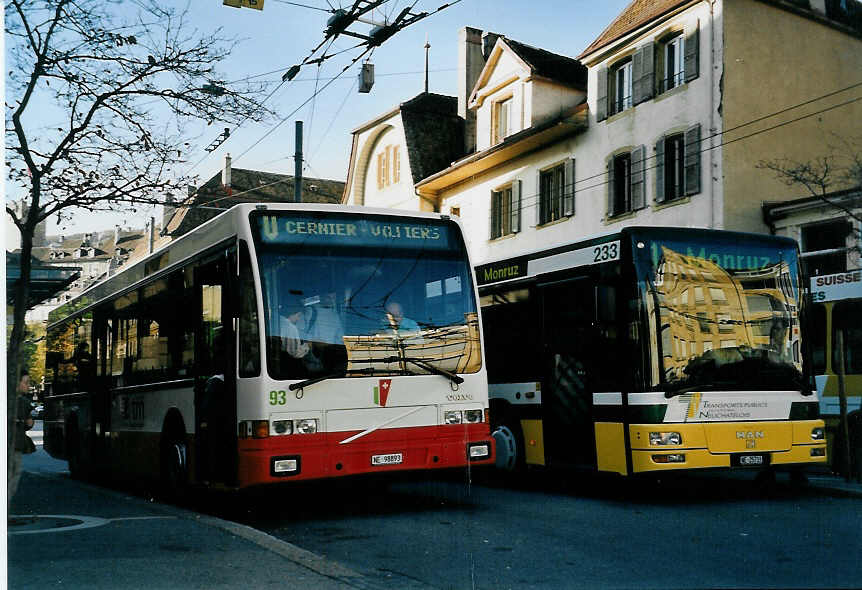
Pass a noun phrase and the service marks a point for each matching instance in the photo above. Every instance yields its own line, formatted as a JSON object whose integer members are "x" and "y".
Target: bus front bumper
{"x": 316, "y": 456}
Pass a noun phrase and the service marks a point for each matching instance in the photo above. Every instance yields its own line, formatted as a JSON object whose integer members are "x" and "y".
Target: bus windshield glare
{"x": 349, "y": 295}
{"x": 722, "y": 313}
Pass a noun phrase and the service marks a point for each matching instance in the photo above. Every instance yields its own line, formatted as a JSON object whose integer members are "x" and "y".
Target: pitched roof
{"x": 248, "y": 186}
{"x": 634, "y": 16}
{"x": 549, "y": 65}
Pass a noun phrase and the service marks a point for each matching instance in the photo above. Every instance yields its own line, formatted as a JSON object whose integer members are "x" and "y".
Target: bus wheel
{"x": 174, "y": 468}
{"x": 509, "y": 444}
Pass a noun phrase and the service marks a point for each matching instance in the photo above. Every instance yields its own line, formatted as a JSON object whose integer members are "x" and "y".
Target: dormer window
{"x": 621, "y": 86}
{"x": 502, "y": 120}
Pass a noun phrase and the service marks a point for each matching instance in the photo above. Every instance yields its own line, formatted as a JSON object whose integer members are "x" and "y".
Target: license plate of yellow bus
{"x": 389, "y": 459}
{"x": 750, "y": 460}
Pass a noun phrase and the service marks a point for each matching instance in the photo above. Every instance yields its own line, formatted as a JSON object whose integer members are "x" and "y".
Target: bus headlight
{"x": 472, "y": 416}
{"x": 453, "y": 417}
{"x": 280, "y": 427}
{"x": 818, "y": 433}
{"x": 665, "y": 438}
{"x": 305, "y": 426}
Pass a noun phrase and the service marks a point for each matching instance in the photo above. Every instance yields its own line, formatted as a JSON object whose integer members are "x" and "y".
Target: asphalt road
{"x": 560, "y": 530}
{"x": 573, "y": 531}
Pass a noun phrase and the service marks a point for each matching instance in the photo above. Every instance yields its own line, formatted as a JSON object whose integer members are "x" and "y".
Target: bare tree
{"x": 841, "y": 169}
{"x": 98, "y": 96}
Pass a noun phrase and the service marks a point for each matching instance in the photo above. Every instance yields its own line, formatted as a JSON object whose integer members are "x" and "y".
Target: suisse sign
{"x": 842, "y": 285}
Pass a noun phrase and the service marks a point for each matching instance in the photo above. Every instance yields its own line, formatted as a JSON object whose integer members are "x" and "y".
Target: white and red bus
{"x": 276, "y": 342}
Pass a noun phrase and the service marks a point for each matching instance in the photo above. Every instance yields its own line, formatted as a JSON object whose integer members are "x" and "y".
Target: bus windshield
{"x": 358, "y": 295}
{"x": 722, "y": 312}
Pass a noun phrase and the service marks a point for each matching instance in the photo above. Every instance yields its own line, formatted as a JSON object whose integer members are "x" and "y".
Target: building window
{"x": 506, "y": 210}
{"x": 626, "y": 182}
{"x": 824, "y": 247}
{"x": 388, "y": 166}
{"x": 673, "y": 62}
{"x": 502, "y": 123}
{"x": 455, "y": 211}
{"x": 674, "y": 166}
{"x": 552, "y": 188}
{"x": 678, "y": 165}
{"x": 621, "y": 87}
{"x": 622, "y": 193}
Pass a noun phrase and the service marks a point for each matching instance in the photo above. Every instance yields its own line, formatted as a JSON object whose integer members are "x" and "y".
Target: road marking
{"x": 83, "y": 522}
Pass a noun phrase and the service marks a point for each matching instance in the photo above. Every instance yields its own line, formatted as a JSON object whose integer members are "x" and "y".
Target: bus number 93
{"x": 277, "y": 398}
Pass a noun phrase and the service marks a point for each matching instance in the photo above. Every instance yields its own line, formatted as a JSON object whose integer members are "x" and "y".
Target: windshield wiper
{"x": 419, "y": 362}
{"x": 342, "y": 373}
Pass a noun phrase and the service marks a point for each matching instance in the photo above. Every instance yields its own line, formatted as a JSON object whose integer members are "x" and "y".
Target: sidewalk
{"x": 74, "y": 535}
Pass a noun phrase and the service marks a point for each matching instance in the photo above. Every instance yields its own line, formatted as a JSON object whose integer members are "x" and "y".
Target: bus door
{"x": 215, "y": 383}
{"x": 100, "y": 385}
{"x": 569, "y": 355}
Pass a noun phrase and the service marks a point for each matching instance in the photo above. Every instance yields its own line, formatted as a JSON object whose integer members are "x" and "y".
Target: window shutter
{"x": 637, "y": 178}
{"x": 495, "y": 215}
{"x": 611, "y": 195}
{"x": 692, "y": 160}
{"x": 692, "y": 53}
{"x": 540, "y": 202}
{"x": 380, "y": 170}
{"x": 648, "y": 76}
{"x": 637, "y": 74}
{"x": 569, "y": 188}
{"x": 659, "y": 171}
{"x": 516, "y": 206}
{"x": 602, "y": 94}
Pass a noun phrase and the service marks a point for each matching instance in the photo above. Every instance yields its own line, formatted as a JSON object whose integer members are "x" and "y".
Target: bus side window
{"x": 249, "y": 331}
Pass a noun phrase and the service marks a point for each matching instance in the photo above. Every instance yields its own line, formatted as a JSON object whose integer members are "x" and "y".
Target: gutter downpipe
{"x": 713, "y": 181}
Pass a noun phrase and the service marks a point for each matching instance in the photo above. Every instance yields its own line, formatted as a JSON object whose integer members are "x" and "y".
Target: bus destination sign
{"x": 295, "y": 229}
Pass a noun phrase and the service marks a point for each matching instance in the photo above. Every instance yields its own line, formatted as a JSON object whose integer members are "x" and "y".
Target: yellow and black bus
{"x": 651, "y": 349}
{"x": 837, "y": 308}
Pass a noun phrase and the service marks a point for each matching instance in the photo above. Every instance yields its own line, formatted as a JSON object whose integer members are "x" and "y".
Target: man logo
{"x": 381, "y": 392}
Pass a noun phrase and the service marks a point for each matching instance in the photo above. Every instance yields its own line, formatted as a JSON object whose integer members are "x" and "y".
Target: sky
{"x": 283, "y": 33}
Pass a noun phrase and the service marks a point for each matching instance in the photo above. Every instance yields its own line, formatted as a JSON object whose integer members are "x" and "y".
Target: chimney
{"x": 225, "y": 173}
{"x": 470, "y": 64}
{"x": 489, "y": 39}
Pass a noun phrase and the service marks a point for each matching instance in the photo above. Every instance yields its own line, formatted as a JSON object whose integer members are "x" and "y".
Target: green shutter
{"x": 637, "y": 178}
{"x": 495, "y": 215}
{"x": 602, "y": 94}
{"x": 692, "y": 160}
{"x": 692, "y": 53}
{"x": 659, "y": 170}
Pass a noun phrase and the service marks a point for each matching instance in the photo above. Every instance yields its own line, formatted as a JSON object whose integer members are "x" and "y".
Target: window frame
{"x": 498, "y": 107}
{"x": 505, "y": 210}
{"x": 552, "y": 193}
{"x": 672, "y": 75}
{"x": 620, "y": 102}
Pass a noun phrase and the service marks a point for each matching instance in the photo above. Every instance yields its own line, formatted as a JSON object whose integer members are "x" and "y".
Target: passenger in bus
{"x": 293, "y": 331}
{"x": 323, "y": 323}
{"x": 396, "y": 321}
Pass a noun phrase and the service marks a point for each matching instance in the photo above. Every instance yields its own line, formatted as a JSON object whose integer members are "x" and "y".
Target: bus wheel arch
{"x": 174, "y": 456}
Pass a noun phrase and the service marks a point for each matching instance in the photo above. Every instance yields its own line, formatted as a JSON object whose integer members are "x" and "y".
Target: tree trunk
{"x": 16, "y": 339}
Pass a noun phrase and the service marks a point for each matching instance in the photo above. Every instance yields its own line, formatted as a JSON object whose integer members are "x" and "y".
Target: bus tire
{"x": 509, "y": 443}
{"x": 174, "y": 466}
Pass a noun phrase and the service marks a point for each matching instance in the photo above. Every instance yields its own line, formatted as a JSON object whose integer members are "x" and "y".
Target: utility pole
{"x": 297, "y": 175}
